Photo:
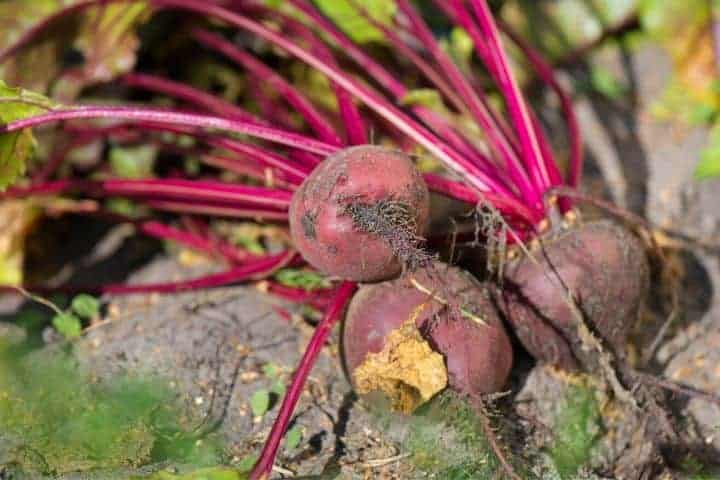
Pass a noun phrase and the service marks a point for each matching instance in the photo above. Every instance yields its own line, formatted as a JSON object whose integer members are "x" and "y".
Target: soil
{"x": 211, "y": 347}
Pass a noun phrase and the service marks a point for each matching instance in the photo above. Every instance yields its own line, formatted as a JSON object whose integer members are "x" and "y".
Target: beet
{"x": 478, "y": 357}
{"x": 606, "y": 268}
{"x": 360, "y": 214}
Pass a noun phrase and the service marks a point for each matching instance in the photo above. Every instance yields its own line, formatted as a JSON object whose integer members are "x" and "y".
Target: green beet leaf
{"x": 17, "y": 147}
{"x": 344, "y": 14}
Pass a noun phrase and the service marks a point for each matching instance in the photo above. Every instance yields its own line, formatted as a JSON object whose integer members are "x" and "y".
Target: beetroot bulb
{"x": 452, "y": 311}
{"x": 601, "y": 263}
{"x": 360, "y": 213}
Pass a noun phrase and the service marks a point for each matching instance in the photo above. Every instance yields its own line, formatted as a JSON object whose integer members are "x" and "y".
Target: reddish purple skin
{"x": 606, "y": 268}
{"x": 325, "y": 235}
{"x": 478, "y": 358}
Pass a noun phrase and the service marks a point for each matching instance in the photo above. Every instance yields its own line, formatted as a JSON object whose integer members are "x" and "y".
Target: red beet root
{"x": 478, "y": 357}
{"x": 606, "y": 269}
{"x": 360, "y": 213}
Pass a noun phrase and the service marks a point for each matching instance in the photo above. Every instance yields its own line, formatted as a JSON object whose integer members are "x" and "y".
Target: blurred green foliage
{"x": 302, "y": 278}
{"x": 446, "y": 440}
{"x": 345, "y": 14}
{"x": 133, "y": 162}
{"x": 576, "y": 429}
{"x": 55, "y": 419}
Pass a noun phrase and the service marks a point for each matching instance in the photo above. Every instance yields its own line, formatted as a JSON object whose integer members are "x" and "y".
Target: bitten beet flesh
{"x": 478, "y": 357}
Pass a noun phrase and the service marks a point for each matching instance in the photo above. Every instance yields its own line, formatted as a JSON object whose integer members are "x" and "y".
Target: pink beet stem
{"x": 218, "y": 210}
{"x": 380, "y": 105}
{"x": 546, "y": 74}
{"x": 322, "y": 331}
{"x": 265, "y": 157}
{"x": 355, "y": 129}
{"x": 319, "y": 299}
{"x": 270, "y": 105}
{"x": 180, "y": 205}
{"x": 249, "y": 271}
{"x": 425, "y": 68}
{"x": 433, "y": 119}
{"x": 458, "y": 14}
{"x": 517, "y": 107}
{"x": 197, "y": 242}
{"x": 396, "y": 88}
{"x": 373, "y": 69}
{"x": 477, "y": 107}
{"x": 428, "y": 116}
{"x": 174, "y": 118}
{"x": 352, "y": 120}
{"x": 285, "y": 169}
{"x": 462, "y": 192}
{"x": 187, "y": 192}
{"x": 190, "y": 95}
{"x": 248, "y": 168}
{"x": 380, "y": 74}
{"x": 308, "y": 160}
{"x": 564, "y": 203}
{"x": 202, "y": 191}
{"x": 322, "y": 127}
{"x": 295, "y": 170}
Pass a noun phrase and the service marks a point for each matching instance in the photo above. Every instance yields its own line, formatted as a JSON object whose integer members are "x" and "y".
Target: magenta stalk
{"x": 498, "y": 141}
{"x": 355, "y": 129}
{"x": 297, "y": 100}
{"x": 463, "y": 193}
{"x": 254, "y": 270}
{"x": 173, "y": 118}
{"x": 546, "y": 74}
{"x": 517, "y": 107}
{"x": 322, "y": 331}
{"x": 400, "y": 120}
{"x": 191, "y": 95}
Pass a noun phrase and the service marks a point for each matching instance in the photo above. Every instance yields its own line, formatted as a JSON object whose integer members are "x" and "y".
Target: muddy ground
{"x": 211, "y": 347}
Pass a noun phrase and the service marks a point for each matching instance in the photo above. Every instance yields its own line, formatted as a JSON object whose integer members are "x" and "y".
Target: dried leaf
{"x": 18, "y": 219}
{"x": 36, "y": 65}
{"x": 408, "y": 370}
{"x": 112, "y": 51}
{"x": 104, "y": 35}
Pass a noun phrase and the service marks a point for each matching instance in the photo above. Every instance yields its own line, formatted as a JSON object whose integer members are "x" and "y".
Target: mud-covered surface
{"x": 212, "y": 348}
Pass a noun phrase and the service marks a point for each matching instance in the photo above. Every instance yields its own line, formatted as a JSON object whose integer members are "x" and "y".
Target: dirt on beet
{"x": 361, "y": 214}
{"x": 606, "y": 268}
